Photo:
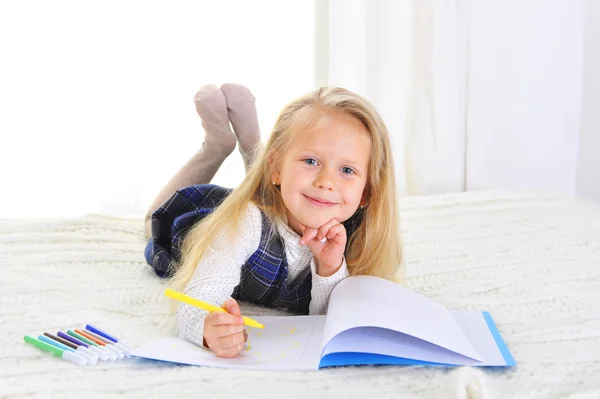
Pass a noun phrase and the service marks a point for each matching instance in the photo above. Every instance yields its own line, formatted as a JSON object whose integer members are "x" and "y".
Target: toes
{"x": 236, "y": 93}
{"x": 211, "y": 96}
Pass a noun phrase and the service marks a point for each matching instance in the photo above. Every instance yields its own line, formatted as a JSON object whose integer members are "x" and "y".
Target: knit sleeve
{"x": 322, "y": 287}
{"x": 218, "y": 273}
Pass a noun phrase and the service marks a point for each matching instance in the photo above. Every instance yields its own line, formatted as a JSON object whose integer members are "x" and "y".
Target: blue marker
{"x": 67, "y": 355}
{"x": 93, "y": 329}
{"x": 109, "y": 344}
{"x": 78, "y": 350}
{"x": 67, "y": 352}
{"x": 80, "y": 346}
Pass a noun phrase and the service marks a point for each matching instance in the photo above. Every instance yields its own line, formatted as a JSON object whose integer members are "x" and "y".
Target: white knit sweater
{"x": 219, "y": 271}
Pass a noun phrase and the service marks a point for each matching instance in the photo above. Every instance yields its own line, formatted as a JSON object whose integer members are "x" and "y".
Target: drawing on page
{"x": 275, "y": 345}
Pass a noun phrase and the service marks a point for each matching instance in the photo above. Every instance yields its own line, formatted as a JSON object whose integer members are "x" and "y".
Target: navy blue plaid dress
{"x": 264, "y": 275}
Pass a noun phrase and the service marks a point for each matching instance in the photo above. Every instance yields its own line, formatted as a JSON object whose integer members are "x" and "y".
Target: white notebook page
{"x": 365, "y": 301}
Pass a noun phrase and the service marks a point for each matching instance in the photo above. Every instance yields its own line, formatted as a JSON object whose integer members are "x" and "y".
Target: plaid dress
{"x": 264, "y": 276}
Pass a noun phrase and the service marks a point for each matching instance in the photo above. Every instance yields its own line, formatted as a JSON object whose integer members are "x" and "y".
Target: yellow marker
{"x": 206, "y": 306}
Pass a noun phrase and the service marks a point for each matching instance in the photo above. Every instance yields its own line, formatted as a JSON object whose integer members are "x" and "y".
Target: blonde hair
{"x": 374, "y": 247}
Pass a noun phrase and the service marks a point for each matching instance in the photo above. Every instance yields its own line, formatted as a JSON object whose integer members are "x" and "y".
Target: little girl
{"x": 317, "y": 205}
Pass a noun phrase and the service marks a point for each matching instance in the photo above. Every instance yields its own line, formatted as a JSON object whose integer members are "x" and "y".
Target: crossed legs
{"x": 219, "y": 109}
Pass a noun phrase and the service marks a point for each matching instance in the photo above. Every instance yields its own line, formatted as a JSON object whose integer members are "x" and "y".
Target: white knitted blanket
{"x": 532, "y": 261}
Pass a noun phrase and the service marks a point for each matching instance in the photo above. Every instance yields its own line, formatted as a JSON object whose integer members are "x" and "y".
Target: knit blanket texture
{"x": 531, "y": 260}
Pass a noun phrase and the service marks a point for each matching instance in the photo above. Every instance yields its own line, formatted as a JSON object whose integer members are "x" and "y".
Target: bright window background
{"x": 96, "y": 110}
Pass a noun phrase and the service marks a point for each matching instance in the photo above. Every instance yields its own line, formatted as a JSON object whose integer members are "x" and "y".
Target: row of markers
{"x": 81, "y": 347}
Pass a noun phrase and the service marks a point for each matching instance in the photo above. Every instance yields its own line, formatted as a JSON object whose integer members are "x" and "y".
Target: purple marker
{"x": 80, "y": 345}
{"x": 108, "y": 336}
{"x": 91, "y": 349}
{"x": 69, "y": 338}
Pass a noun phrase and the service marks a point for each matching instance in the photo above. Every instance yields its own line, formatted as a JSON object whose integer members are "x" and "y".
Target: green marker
{"x": 67, "y": 355}
{"x": 93, "y": 346}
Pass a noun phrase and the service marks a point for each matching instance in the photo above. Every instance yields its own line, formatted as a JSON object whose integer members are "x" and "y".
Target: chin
{"x": 312, "y": 221}
{"x": 317, "y": 220}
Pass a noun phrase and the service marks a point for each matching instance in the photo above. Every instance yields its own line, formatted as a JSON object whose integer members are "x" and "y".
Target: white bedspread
{"x": 532, "y": 261}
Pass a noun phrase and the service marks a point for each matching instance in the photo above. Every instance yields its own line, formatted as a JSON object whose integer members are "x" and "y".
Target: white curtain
{"x": 369, "y": 53}
{"x": 96, "y": 110}
{"x": 477, "y": 94}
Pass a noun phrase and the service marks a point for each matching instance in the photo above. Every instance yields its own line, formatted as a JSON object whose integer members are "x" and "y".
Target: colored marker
{"x": 104, "y": 354}
{"x": 65, "y": 348}
{"x": 67, "y": 355}
{"x": 107, "y": 342}
{"x": 207, "y": 306}
{"x": 82, "y": 346}
{"x": 101, "y": 344}
{"x": 91, "y": 348}
{"x": 111, "y": 355}
{"x": 92, "y": 359}
{"x": 106, "y": 335}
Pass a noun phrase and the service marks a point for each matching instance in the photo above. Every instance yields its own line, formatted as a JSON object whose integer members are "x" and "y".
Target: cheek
{"x": 289, "y": 191}
{"x": 353, "y": 195}
{"x": 296, "y": 179}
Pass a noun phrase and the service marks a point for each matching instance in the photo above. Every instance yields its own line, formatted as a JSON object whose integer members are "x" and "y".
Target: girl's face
{"x": 324, "y": 172}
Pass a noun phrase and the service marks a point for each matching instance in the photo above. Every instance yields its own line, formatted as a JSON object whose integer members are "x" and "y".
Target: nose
{"x": 324, "y": 180}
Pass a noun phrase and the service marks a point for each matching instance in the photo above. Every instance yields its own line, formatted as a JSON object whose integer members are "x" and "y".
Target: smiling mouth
{"x": 318, "y": 202}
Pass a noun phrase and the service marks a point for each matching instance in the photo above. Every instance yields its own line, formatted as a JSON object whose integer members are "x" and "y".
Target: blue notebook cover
{"x": 357, "y": 358}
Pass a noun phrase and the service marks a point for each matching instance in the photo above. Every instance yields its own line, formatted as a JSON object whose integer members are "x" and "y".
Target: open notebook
{"x": 369, "y": 321}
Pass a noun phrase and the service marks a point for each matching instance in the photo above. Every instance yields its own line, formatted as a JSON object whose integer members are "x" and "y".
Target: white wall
{"x": 96, "y": 97}
{"x": 588, "y": 171}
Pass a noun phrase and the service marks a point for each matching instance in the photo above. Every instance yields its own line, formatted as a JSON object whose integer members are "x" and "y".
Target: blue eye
{"x": 346, "y": 170}
{"x": 310, "y": 161}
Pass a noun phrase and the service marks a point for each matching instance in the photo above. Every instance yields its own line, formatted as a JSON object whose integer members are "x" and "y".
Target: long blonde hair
{"x": 373, "y": 249}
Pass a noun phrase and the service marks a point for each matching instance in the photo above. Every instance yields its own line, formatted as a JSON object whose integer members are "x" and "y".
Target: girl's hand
{"x": 224, "y": 333}
{"x": 329, "y": 253}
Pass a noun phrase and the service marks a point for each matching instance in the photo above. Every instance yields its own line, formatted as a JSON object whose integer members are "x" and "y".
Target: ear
{"x": 275, "y": 177}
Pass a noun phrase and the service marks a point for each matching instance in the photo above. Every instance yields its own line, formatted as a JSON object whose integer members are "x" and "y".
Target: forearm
{"x": 217, "y": 274}
{"x": 190, "y": 321}
{"x": 327, "y": 270}
{"x": 322, "y": 287}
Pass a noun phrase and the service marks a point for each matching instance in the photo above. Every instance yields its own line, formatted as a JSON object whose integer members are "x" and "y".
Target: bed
{"x": 532, "y": 260}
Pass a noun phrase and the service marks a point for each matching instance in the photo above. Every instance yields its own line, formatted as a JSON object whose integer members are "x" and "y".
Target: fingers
{"x": 227, "y": 330}
{"x": 232, "y": 307}
{"x": 337, "y": 234}
{"x": 220, "y": 318}
{"x": 233, "y": 341}
{"x": 324, "y": 230}
{"x": 224, "y": 333}
{"x": 330, "y": 230}
{"x": 229, "y": 346}
{"x": 309, "y": 234}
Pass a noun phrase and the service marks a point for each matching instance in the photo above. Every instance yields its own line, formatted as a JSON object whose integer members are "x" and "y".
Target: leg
{"x": 242, "y": 113}
{"x": 219, "y": 142}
